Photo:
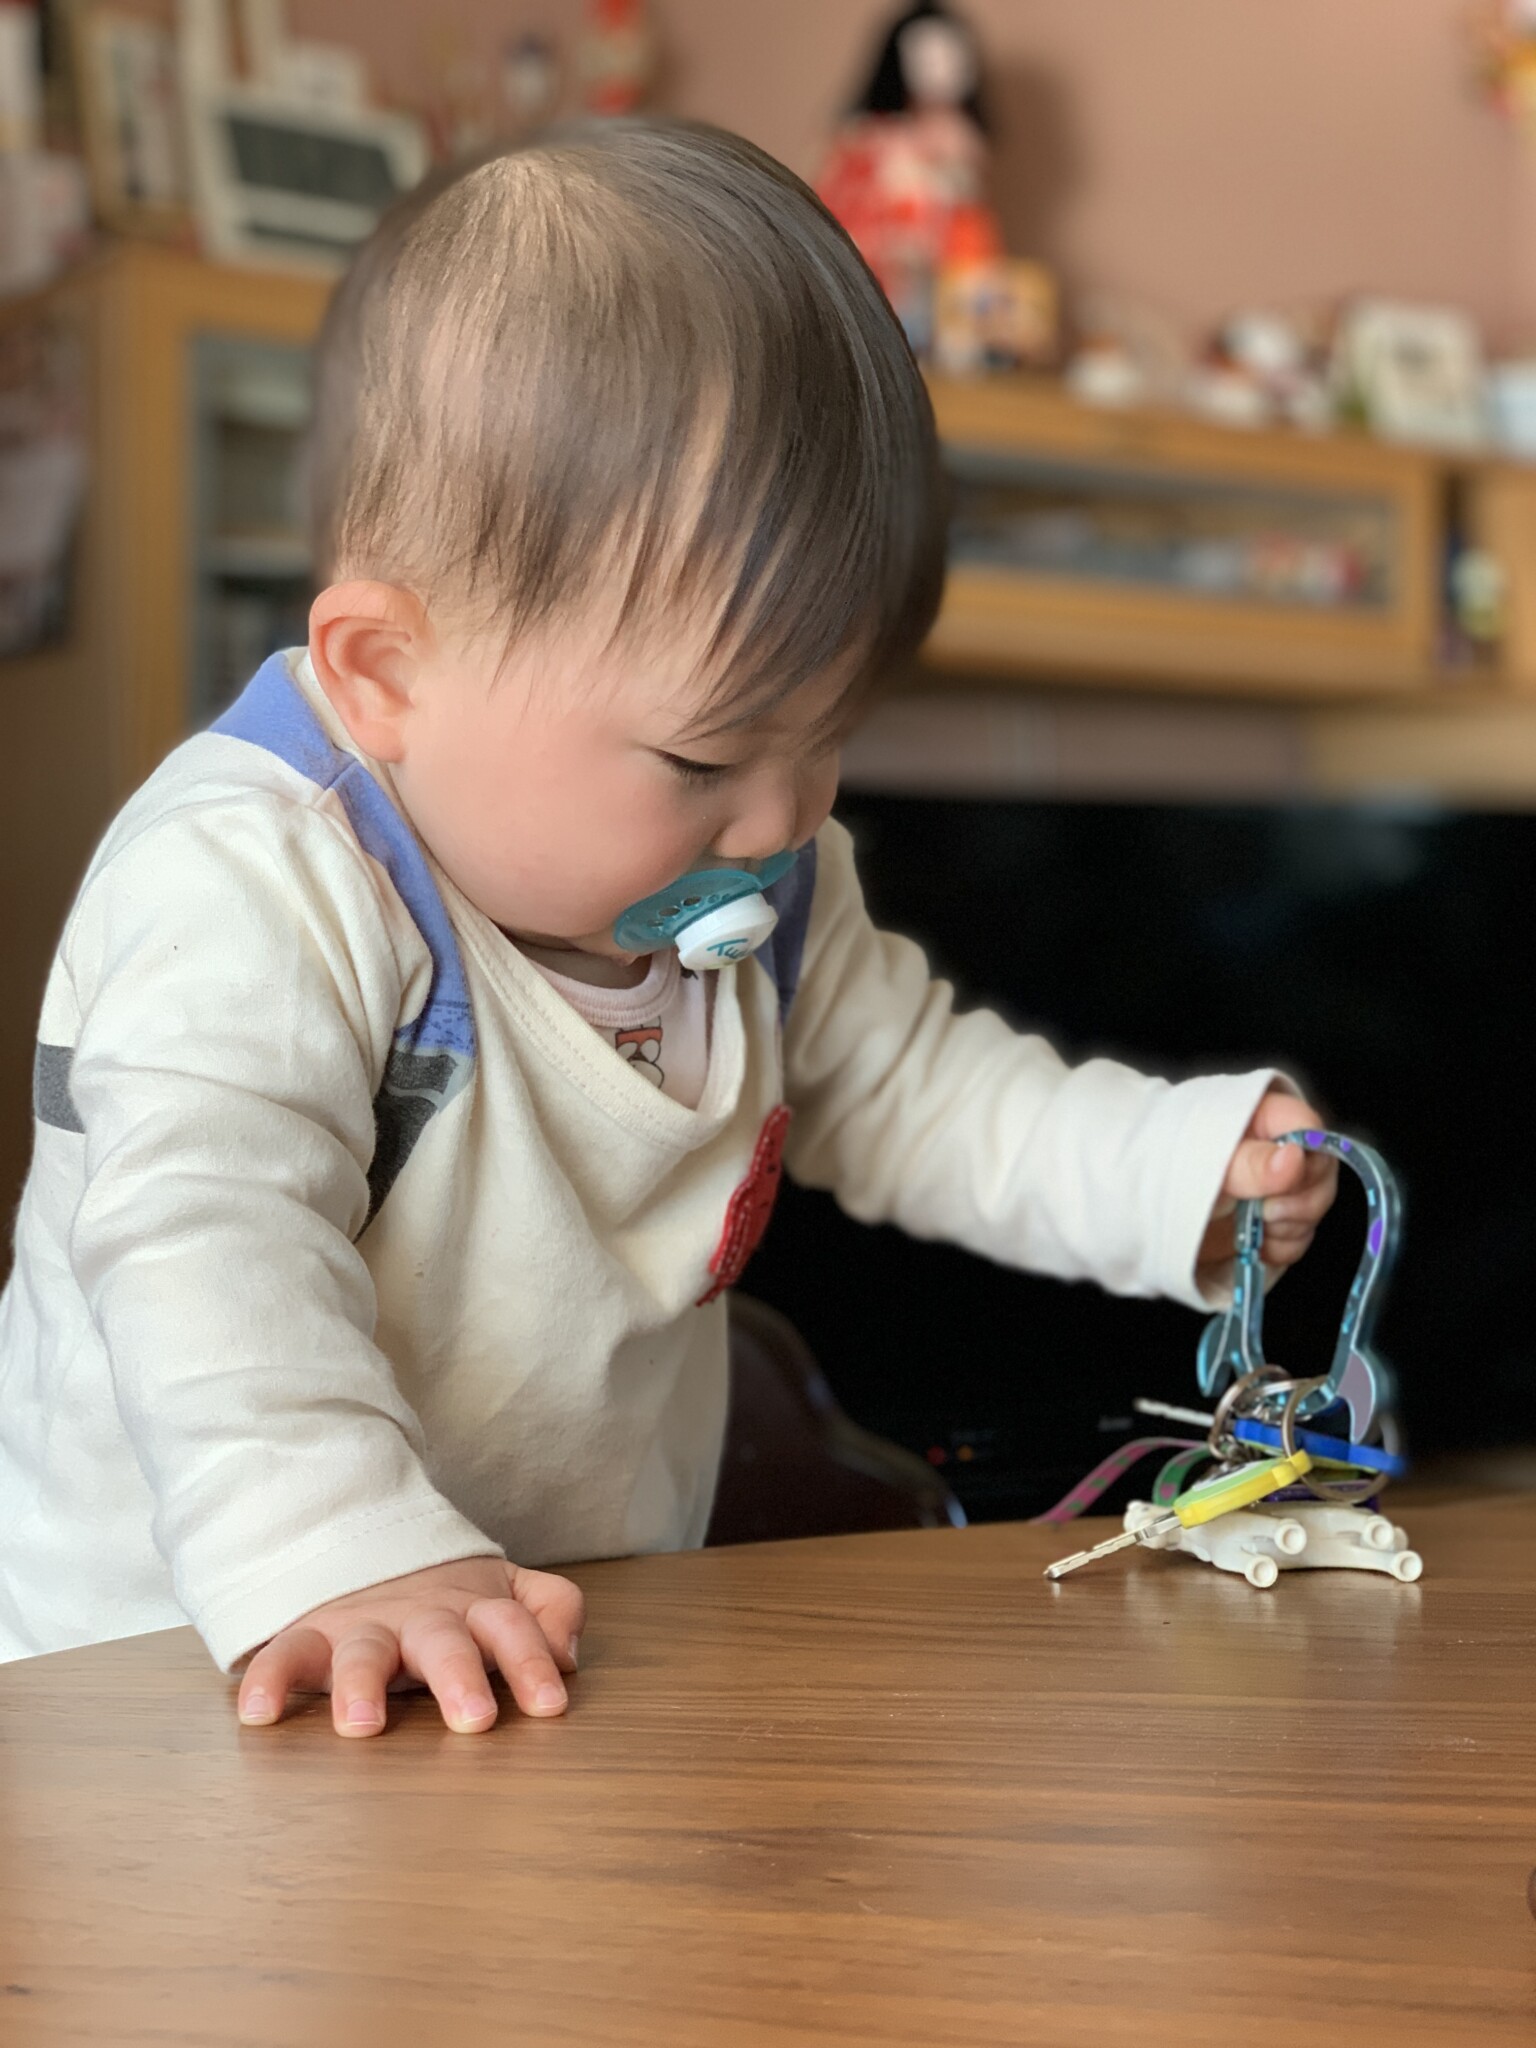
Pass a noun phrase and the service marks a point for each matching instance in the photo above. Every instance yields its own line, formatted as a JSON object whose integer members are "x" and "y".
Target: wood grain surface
{"x": 866, "y": 1792}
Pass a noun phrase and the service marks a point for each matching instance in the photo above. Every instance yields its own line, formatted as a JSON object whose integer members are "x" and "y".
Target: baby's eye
{"x": 697, "y": 771}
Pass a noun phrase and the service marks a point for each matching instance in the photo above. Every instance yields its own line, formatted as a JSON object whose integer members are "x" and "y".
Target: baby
{"x": 422, "y": 1049}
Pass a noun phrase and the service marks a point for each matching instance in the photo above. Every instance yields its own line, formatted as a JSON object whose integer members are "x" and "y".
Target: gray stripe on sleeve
{"x": 416, "y": 1086}
{"x": 52, "y": 1102}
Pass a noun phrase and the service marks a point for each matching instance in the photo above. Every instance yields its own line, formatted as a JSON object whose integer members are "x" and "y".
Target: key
{"x": 1201, "y": 1504}
{"x": 1170, "y": 1413}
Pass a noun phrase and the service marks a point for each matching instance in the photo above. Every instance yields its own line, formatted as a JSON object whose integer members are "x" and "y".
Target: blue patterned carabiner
{"x": 1359, "y": 1376}
{"x": 1233, "y": 1344}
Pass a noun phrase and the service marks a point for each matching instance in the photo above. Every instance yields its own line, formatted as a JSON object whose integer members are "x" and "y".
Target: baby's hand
{"x": 442, "y": 1628}
{"x": 1297, "y": 1187}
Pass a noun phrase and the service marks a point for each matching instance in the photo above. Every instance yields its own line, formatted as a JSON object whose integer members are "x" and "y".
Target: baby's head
{"x": 626, "y": 494}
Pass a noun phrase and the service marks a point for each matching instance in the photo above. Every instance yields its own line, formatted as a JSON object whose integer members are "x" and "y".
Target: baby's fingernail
{"x": 256, "y": 1707}
{"x": 364, "y": 1714}
{"x": 549, "y": 1699}
{"x": 477, "y": 1708}
{"x": 575, "y": 1648}
{"x": 1277, "y": 1159}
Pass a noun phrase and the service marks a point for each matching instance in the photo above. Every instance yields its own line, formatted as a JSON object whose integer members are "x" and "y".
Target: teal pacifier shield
{"x": 660, "y": 920}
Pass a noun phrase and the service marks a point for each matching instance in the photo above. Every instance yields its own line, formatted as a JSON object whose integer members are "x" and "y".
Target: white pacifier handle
{"x": 729, "y": 933}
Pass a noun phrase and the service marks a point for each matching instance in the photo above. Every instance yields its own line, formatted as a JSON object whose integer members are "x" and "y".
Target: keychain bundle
{"x": 1290, "y": 1471}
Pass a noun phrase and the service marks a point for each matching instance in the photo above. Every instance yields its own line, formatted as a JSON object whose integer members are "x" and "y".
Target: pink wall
{"x": 1206, "y": 153}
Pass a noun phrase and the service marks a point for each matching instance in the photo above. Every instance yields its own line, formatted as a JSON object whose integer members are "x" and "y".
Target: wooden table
{"x": 880, "y": 1790}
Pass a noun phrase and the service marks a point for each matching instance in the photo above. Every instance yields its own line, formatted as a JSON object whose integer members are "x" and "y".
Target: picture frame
{"x": 280, "y": 181}
{"x": 128, "y": 96}
{"x": 1416, "y": 372}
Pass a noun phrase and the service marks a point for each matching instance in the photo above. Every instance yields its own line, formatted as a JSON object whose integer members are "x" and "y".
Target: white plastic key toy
{"x": 1202, "y": 1503}
{"x": 1261, "y": 1542}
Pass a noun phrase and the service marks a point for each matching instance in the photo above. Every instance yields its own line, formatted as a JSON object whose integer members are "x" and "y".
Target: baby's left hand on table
{"x": 1297, "y": 1187}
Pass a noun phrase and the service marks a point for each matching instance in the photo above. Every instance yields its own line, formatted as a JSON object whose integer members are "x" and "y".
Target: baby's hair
{"x": 640, "y": 351}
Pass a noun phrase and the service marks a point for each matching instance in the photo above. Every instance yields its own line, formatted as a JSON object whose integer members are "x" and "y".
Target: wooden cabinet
{"x": 1147, "y": 549}
{"x": 1139, "y": 548}
{"x": 84, "y": 722}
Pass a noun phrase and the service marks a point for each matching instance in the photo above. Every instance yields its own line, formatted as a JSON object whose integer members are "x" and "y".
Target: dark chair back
{"x": 794, "y": 1464}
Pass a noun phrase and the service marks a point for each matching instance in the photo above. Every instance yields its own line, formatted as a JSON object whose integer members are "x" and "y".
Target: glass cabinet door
{"x": 251, "y": 576}
{"x": 1187, "y": 535}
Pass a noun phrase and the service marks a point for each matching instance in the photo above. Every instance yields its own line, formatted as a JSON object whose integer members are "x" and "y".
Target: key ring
{"x": 1342, "y": 1493}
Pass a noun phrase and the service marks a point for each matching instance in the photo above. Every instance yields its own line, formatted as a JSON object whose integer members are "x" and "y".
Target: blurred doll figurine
{"x": 617, "y": 56}
{"x": 911, "y": 153}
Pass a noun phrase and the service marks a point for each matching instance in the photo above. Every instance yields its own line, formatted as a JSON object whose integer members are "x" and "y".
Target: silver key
{"x": 1148, "y": 1533}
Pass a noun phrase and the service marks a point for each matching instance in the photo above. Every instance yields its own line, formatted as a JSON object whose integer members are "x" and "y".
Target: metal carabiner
{"x": 1233, "y": 1342}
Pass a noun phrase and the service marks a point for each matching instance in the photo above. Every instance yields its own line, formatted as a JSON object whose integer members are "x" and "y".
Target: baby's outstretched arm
{"x": 953, "y": 1125}
{"x": 442, "y": 1628}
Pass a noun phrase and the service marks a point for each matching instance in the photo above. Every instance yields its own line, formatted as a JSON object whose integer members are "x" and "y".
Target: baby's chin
{"x": 602, "y": 944}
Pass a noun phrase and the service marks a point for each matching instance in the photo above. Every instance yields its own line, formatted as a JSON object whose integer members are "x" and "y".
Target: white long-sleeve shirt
{"x": 349, "y": 1248}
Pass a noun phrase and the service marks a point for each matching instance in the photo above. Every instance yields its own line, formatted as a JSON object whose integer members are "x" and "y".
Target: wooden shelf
{"x": 1039, "y": 627}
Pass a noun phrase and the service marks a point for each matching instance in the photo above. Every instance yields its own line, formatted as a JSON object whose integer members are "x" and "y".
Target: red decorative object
{"x": 616, "y": 56}
{"x": 748, "y": 1211}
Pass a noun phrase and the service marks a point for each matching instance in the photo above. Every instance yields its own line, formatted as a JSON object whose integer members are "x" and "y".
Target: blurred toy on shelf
{"x": 1511, "y": 390}
{"x": 530, "y": 80}
{"x": 1412, "y": 373}
{"x": 616, "y": 56}
{"x": 1504, "y": 42}
{"x": 44, "y": 205}
{"x": 990, "y": 311}
{"x": 1479, "y": 602}
{"x": 1128, "y": 353}
{"x": 1260, "y": 369}
{"x": 1291, "y": 1467}
{"x": 911, "y": 155}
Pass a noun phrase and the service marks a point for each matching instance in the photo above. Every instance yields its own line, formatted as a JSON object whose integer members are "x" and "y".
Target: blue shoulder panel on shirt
{"x": 434, "y": 1052}
{"x": 272, "y": 713}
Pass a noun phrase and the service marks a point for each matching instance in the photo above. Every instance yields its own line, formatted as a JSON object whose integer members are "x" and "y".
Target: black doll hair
{"x": 886, "y": 92}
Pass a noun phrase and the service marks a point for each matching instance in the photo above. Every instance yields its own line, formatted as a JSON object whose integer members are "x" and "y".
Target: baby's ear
{"x": 369, "y": 643}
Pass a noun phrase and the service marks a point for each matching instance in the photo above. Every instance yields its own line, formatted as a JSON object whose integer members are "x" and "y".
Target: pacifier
{"x": 711, "y": 915}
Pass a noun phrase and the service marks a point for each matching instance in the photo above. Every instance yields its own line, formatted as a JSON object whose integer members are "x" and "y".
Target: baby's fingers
{"x": 558, "y": 1606}
{"x": 508, "y": 1633}
{"x": 297, "y": 1659}
{"x": 363, "y": 1662}
{"x": 440, "y": 1651}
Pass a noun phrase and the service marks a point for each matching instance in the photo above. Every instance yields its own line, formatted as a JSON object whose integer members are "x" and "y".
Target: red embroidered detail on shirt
{"x": 748, "y": 1211}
